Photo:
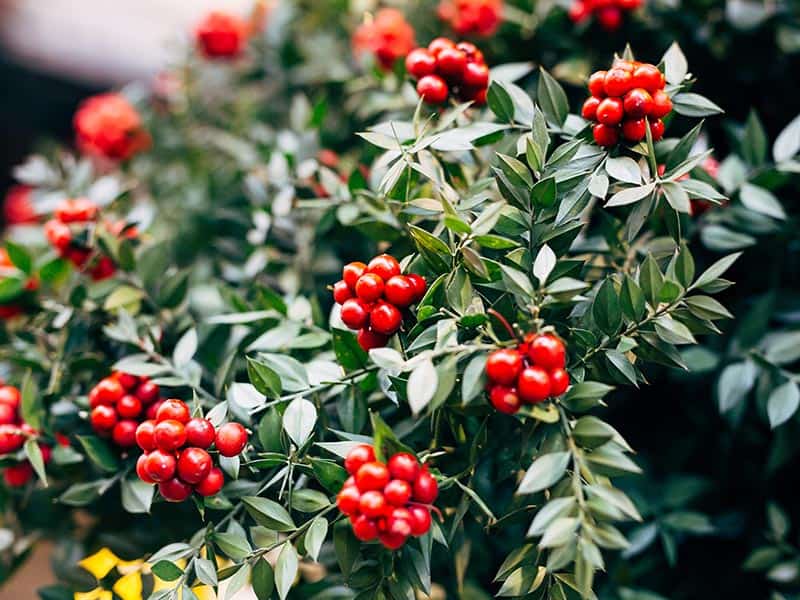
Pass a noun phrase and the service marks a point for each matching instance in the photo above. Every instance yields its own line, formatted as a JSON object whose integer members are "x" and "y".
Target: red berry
{"x": 357, "y": 457}
{"x": 404, "y": 466}
{"x": 341, "y": 292}
{"x": 124, "y": 433}
{"x": 212, "y": 484}
{"x": 432, "y": 89}
{"x": 170, "y": 434}
{"x": 578, "y": 11}
{"x": 58, "y": 234}
{"x": 638, "y": 103}
{"x": 129, "y": 406}
{"x": 597, "y": 84}
{"x": 384, "y": 266}
{"x": 10, "y": 396}
{"x": 420, "y": 62}
{"x": 18, "y": 475}
{"x": 126, "y": 380}
{"x": 662, "y": 104}
{"x": 11, "y": 438}
{"x": 103, "y": 418}
{"x": 175, "y": 410}
{"x": 194, "y": 465}
{"x": 610, "y": 18}
{"x": 400, "y": 291}
{"x": 605, "y": 135}
{"x": 152, "y": 410}
{"x": 392, "y": 541}
{"x": 145, "y": 435}
{"x": 425, "y": 488}
{"x": 617, "y": 82}
{"x": 420, "y": 285}
{"x": 634, "y": 130}
{"x": 160, "y": 465}
{"x": 174, "y": 490}
{"x": 559, "y": 382}
{"x": 365, "y": 529}
{"x": 657, "y": 129}
{"x": 385, "y": 318}
{"x": 479, "y": 97}
{"x": 399, "y": 522}
{"x": 351, "y": 272}
{"x": 648, "y": 77}
{"x": 372, "y": 504}
{"x": 476, "y": 75}
{"x": 439, "y": 44}
{"x": 504, "y": 399}
{"x": 348, "y": 500}
{"x": 397, "y": 492}
{"x": 369, "y": 339}
{"x": 450, "y": 64}
{"x": 140, "y": 469}
{"x": 200, "y": 433}
{"x": 420, "y": 520}
{"x": 533, "y": 385}
{"x": 589, "y": 109}
{"x": 369, "y": 287}
{"x": 147, "y": 391}
{"x": 504, "y": 365}
{"x": 472, "y": 51}
{"x": 609, "y": 111}
{"x": 548, "y": 352}
{"x": 76, "y": 210}
{"x": 231, "y": 439}
{"x": 8, "y": 414}
{"x": 354, "y": 313}
{"x": 372, "y": 476}
{"x": 109, "y": 391}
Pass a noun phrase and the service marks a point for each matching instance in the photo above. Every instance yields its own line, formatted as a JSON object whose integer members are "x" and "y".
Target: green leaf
{"x": 690, "y": 104}
{"x": 285, "y": 570}
{"x": 516, "y": 171}
{"x": 676, "y": 66}
{"x": 308, "y": 500}
{"x": 291, "y": 371}
{"x": 606, "y": 309}
{"x": 185, "y": 349}
{"x": 263, "y": 378}
{"x": 761, "y": 201}
{"x": 558, "y": 507}
{"x": 782, "y": 403}
{"x": 715, "y": 270}
{"x": 673, "y": 331}
{"x": 683, "y": 148}
{"x": 559, "y": 532}
{"x": 99, "y": 453}
{"x": 552, "y": 98}
{"x": 346, "y": 545}
{"x": 262, "y": 579}
{"x": 735, "y": 383}
{"x": 543, "y": 194}
{"x": 500, "y": 102}
{"x": 137, "y": 496}
{"x": 591, "y": 432}
{"x": 544, "y": 264}
{"x": 622, "y": 365}
{"x": 706, "y": 307}
{"x": 315, "y": 536}
{"x": 299, "y": 420}
{"x": 631, "y": 195}
{"x": 688, "y": 521}
{"x": 81, "y": 494}
{"x": 329, "y": 474}
{"x": 545, "y": 471}
{"x": 754, "y": 140}
{"x": 205, "y": 570}
{"x": 269, "y": 513}
{"x": 651, "y": 280}
{"x": 787, "y": 144}
{"x": 421, "y": 387}
{"x": 348, "y": 353}
{"x": 631, "y": 299}
{"x": 19, "y": 257}
{"x": 624, "y": 169}
{"x": 433, "y": 250}
{"x": 473, "y": 379}
{"x": 234, "y": 546}
{"x": 677, "y": 197}
{"x": 34, "y": 454}
{"x": 31, "y": 402}
{"x": 167, "y": 570}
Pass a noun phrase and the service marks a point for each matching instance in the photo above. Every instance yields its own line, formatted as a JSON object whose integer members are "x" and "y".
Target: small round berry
{"x": 152, "y": 409}
{"x": 634, "y": 130}
{"x": 559, "y": 382}
{"x": 648, "y": 77}
{"x": 617, "y": 83}
{"x": 170, "y": 434}
{"x": 472, "y": 51}
{"x": 10, "y": 396}
{"x": 146, "y": 435}
{"x": 365, "y": 529}
{"x": 399, "y": 522}
{"x": 404, "y": 466}
{"x": 597, "y": 84}
{"x": 357, "y": 457}
{"x": 657, "y": 129}
{"x": 609, "y": 111}
{"x": 385, "y": 318}
{"x": 610, "y": 18}
{"x": 432, "y": 89}
{"x": 369, "y": 287}
{"x": 103, "y": 418}
{"x": 341, "y": 292}
{"x": 397, "y": 492}
{"x": 605, "y": 135}
{"x": 160, "y": 465}
{"x": 18, "y": 475}
{"x": 392, "y": 541}
{"x": 372, "y": 476}
{"x": 504, "y": 365}
{"x": 194, "y": 465}
{"x": 175, "y": 410}
{"x": 450, "y": 64}
{"x": 533, "y": 385}
{"x": 420, "y": 285}
{"x": 147, "y": 391}
{"x": 351, "y": 272}
{"x": 369, "y": 339}
{"x": 400, "y": 291}
{"x": 8, "y": 414}
{"x": 231, "y": 439}
{"x": 58, "y": 234}
{"x": 504, "y": 399}
{"x": 348, "y": 500}
{"x": 420, "y": 62}
{"x": 476, "y": 75}
{"x": 425, "y": 488}
{"x": 129, "y": 406}
{"x": 354, "y": 313}
{"x": 174, "y": 490}
{"x": 140, "y": 469}
{"x": 638, "y": 103}
{"x": 109, "y": 391}
{"x": 420, "y": 520}
{"x": 578, "y": 11}
{"x": 200, "y": 433}
{"x": 384, "y": 266}
{"x": 124, "y": 433}
{"x": 548, "y": 352}
{"x": 126, "y": 380}
{"x": 11, "y": 438}
{"x": 589, "y": 108}
{"x": 479, "y": 97}
{"x": 212, "y": 484}
{"x": 662, "y": 104}
{"x": 372, "y": 504}
{"x": 439, "y": 44}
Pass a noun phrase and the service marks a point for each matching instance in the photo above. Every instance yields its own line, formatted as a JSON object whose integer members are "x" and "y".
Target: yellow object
{"x": 129, "y": 587}
{"x": 100, "y": 563}
{"x": 95, "y": 594}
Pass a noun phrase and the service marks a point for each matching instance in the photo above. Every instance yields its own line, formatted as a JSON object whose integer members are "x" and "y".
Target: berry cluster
{"x": 372, "y": 297}
{"x": 221, "y": 35}
{"x": 18, "y": 206}
{"x": 108, "y": 126}
{"x": 390, "y": 501}
{"x": 119, "y": 403}
{"x": 70, "y": 232}
{"x": 607, "y": 12}
{"x": 444, "y": 67}
{"x": 176, "y": 457}
{"x": 624, "y": 100}
{"x": 472, "y": 17}
{"x": 14, "y": 306}
{"x": 388, "y": 36}
{"x": 530, "y": 373}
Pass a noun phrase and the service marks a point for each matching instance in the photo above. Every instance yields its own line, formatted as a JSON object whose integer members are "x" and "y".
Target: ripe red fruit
{"x": 605, "y": 135}
{"x": 432, "y": 89}
{"x": 351, "y": 272}
{"x": 504, "y": 399}
{"x": 559, "y": 382}
{"x": 372, "y": 504}
{"x": 372, "y": 476}
{"x": 450, "y": 63}
{"x": 610, "y": 18}
{"x": 231, "y": 439}
{"x": 160, "y": 465}
{"x": 365, "y": 529}
{"x": 58, "y": 234}
{"x": 400, "y": 291}
{"x": 341, "y": 292}
{"x": 369, "y": 339}
{"x": 648, "y": 77}
{"x": 589, "y": 109}
{"x": 420, "y": 520}
{"x": 18, "y": 475}
{"x": 140, "y": 469}
{"x": 662, "y": 104}
{"x": 637, "y": 103}
{"x": 420, "y": 285}
{"x": 533, "y": 385}
{"x": 11, "y": 438}
{"x": 8, "y": 414}
{"x": 385, "y": 318}
{"x": 103, "y": 418}
{"x": 420, "y": 62}
{"x": 194, "y": 465}
{"x": 597, "y": 84}
{"x": 425, "y": 488}
{"x": 634, "y": 130}
{"x": 439, "y": 44}
{"x": 471, "y": 50}
{"x": 403, "y": 466}
{"x": 369, "y": 287}
{"x": 617, "y": 82}
{"x": 109, "y": 391}
{"x": 175, "y": 410}
{"x": 397, "y": 492}
{"x": 504, "y": 365}
{"x": 609, "y": 111}
{"x": 221, "y": 35}
{"x": 384, "y": 266}
{"x": 126, "y": 380}
{"x": 354, "y": 313}
{"x": 200, "y": 433}
{"x": 348, "y": 500}
{"x": 152, "y": 410}
{"x": 399, "y": 522}
{"x": 392, "y": 541}
{"x": 10, "y": 396}
{"x": 145, "y": 435}
{"x": 476, "y": 75}
{"x": 129, "y": 407}
{"x": 657, "y": 129}
{"x": 124, "y": 433}
{"x": 357, "y": 457}
{"x": 174, "y": 490}
{"x": 147, "y": 391}
{"x": 578, "y": 11}
{"x": 212, "y": 484}
{"x": 170, "y": 434}
{"x": 107, "y": 125}
{"x": 548, "y": 352}
{"x": 76, "y": 210}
